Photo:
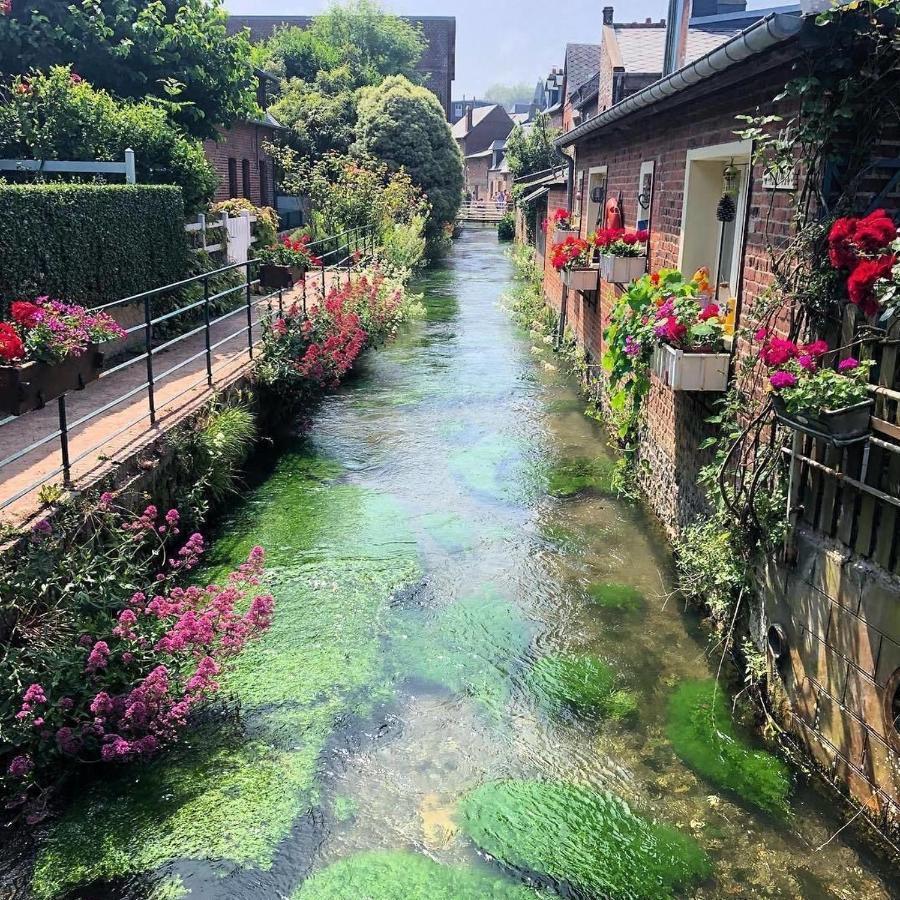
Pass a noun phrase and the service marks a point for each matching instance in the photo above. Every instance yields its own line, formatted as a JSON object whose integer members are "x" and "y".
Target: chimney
{"x": 469, "y": 117}
{"x": 676, "y": 35}
{"x": 607, "y": 15}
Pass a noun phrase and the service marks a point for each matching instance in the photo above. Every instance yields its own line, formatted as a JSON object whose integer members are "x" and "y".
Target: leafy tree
{"x": 293, "y": 52}
{"x": 531, "y": 149}
{"x": 61, "y": 116}
{"x": 404, "y": 125}
{"x": 176, "y": 51}
{"x": 508, "y": 94}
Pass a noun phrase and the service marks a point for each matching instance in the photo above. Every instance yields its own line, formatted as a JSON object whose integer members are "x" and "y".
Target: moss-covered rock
{"x": 612, "y": 595}
{"x": 407, "y": 876}
{"x": 577, "y": 837}
{"x": 583, "y": 682}
{"x": 574, "y": 476}
{"x": 703, "y": 735}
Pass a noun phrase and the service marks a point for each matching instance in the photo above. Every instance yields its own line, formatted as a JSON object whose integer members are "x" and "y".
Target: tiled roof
{"x": 642, "y": 47}
{"x": 581, "y": 61}
{"x": 460, "y": 129}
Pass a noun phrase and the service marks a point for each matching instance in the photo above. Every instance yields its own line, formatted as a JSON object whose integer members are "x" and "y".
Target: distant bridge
{"x": 480, "y": 211}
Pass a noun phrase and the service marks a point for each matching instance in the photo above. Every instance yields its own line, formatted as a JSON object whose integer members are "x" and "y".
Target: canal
{"x": 474, "y": 650}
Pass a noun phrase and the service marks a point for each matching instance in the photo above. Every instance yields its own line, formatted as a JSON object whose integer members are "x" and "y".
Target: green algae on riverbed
{"x": 407, "y": 876}
{"x": 571, "y": 835}
{"x": 575, "y": 476}
{"x": 703, "y": 735}
{"x": 612, "y": 595}
{"x": 336, "y": 555}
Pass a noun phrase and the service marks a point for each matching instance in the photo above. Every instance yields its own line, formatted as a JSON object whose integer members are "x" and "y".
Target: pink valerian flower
{"x": 98, "y": 658}
{"x": 848, "y": 364}
{"x": 782, "y": 379}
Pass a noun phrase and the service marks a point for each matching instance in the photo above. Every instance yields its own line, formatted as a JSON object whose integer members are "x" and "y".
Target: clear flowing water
{"x": 422, "y": 572}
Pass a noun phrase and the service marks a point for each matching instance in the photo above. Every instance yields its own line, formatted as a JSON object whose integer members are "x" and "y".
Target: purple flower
{"x": 848, "y": 364}
{"x": 98, "y": 657}
{"x": 632, "y": 347}
{"x": 20, "y": 766}
{"x": 783, "y": 380}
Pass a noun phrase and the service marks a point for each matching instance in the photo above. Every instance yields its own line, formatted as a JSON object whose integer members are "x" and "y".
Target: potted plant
{"x": 623, "y": 254}
{"x": 563, "y": 224}
{"x": 833, "y": 404}
{"x": 48, "y": 349}
{"x": 688, "y": 355}
{"x": 283, "y": 264}
{"x": 572, "y": 258}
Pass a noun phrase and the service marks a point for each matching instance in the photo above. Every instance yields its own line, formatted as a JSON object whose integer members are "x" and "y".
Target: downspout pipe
{"x": 570, "y": 197}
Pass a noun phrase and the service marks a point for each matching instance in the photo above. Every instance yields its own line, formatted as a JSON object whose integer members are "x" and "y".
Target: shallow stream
{"x": 423, "y": 571}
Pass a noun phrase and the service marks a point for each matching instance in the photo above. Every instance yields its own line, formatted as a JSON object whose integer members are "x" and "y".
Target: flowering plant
{"x": 803, "y": 383}
{"x": 127, "y": 684}
{"x": 683, "y": 322}
{"x": 867, "y": 251}
{"x": 562, "y": 218}
{"x": 50, "y": 331}
{"x": 572, "y": 253}
{"x": 621, "y": 242}
{"x": 290, "y": 252}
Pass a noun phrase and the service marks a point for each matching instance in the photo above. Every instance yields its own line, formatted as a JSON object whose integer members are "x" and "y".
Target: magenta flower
{"x": 807, "y": 362}
{"x": 20, "y": 766}
{"x": 781, "y": 380}
{"x": 848, "y": 364}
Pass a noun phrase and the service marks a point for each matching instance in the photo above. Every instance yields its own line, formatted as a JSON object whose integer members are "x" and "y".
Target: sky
{"x": 507, "y": 41}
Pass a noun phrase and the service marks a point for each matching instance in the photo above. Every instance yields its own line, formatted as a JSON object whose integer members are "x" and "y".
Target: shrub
{"x": 89, "y": 243}
{"x": 710, "y": 572}
{"x": 403, "y": 245}
{"x": 506, "y": 227}
{"x": 56, "y": 116}
{"x": 266, "y": 229}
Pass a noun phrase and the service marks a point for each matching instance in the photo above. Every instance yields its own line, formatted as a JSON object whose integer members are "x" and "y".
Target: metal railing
{"x": 335, "y": 254}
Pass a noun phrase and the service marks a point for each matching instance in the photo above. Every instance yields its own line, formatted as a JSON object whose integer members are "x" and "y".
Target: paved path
{"x": 122, "y": 429}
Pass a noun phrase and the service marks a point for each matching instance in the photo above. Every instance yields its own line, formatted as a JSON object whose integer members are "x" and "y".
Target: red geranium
{"x": 25, "y": 313}
{"x": 11, "y": 346}
{"x": 861, "y": 283}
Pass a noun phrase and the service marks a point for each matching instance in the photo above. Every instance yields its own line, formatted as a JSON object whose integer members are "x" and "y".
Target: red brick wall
{"x": 243, "y": 140}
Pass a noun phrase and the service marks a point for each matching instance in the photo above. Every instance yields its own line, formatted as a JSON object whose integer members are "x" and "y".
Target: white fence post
{"x": 130, "y": 176}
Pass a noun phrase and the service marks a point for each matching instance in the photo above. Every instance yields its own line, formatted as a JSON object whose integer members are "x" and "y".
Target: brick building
{"x": 239, "y": 158}
{"x": 481, "y": 135}
{"x": 437, "y": 66}
{"x": 661, "y": 149}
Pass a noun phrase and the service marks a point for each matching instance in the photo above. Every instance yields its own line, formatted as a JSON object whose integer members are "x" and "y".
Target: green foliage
{"x": 532, "y": 150}
{"x": 574, "y": 476}
{"x": 108, "y": 241}
{"x": 395, "y": 875}
{"x": 825, "y": 388}
{"x": 589, "y": 841}
{"x": 506, "y": 227}
{"x": 177, "y": 52}
{"x": 509, "y": 94}
{"x": 51, "y": 116}
{"x": 710, "y": 571}
{"x": 703, "y": 735}
{"x": 612, "y": 595}
{"x": 402, "y": 247}
{"x": 404, "y": 126}
{"x": 224, "y": 437}
{"x": 586, "y": 683}
{"x": 266, "y": 227}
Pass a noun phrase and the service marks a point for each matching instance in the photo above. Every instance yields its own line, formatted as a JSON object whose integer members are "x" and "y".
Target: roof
{"x": 774, "y": 29}
{"x": 641, "y": 46}
{"x": 581, "y": 60}
{"x": 480, "y": 154}
{"x": 545, "y": 176}
{"x": 520, "y": 118}
{"x": 460, "y": 129}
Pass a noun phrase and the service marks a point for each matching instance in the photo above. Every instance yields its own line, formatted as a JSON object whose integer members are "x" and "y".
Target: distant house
{"x": 548, "y": 94}
{"x": 238, "y": 155}
{"x": 437, "y": 66}
{"x": 477, "y": 134}
{"x": 582, "y": 63}
{"x": 487, "y": 172}
{"x": 459, "y": 108}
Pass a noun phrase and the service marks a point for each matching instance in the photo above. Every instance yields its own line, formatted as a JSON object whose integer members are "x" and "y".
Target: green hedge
{"x": 87, "y": 243}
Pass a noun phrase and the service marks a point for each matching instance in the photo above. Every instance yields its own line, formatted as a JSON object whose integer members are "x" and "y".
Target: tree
{"x": 509, "y": 94}
{"x": 61, "y": 116}
{"x": 404, "y": 125}
{"x": 178, "y": 52}
{"x": 530, "y": 149}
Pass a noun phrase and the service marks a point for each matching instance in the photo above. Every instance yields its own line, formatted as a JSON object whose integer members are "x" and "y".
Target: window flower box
{"x": 681, "y": 371}
{"x": 31, "y": 385}
{"x": 275, "y": 276}
{"x": 561, "y": 233}
{"x": 838, "y": 426}
{"x": 622, "y": 269}
{"x": 587, "y": 279}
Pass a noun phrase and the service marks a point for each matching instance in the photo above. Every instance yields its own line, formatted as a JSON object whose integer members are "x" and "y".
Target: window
{"x": 645, "y": 196}
{"x": 232, "y": 178}
{"x": 705, "y": 241}
{"x": 245, "y": 178}
{"x": 263, "y": 184}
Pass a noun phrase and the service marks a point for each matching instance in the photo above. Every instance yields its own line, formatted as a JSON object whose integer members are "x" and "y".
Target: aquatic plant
{"x": 395, "y": 875}
{"x": 703, "y": 735}
{"x": 613, "y": 595}
{"x": 584, "y": 682}
{"x": 575, "y": 836}
{"x": 574, "y": 476}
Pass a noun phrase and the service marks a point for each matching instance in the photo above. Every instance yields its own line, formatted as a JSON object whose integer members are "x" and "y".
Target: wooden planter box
{"x": 34, "y": 384}
{"x": 682, "y": 371}
{"x": 838, "y": 426}
{"x": 581, "y": 279}
{"x": 274, "y": 276}
{"x": 560, "y": 234}
{"x": 622, "y": 269}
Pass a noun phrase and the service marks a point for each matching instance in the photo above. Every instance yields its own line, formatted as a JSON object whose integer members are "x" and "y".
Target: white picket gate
{"x": 234, "y": 237}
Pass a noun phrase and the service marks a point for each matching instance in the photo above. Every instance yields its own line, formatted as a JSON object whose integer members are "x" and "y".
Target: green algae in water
{"x": 472, "y": 647}
{"x": 449, "y": 531}
{"x": 345, "y": 808}
{"x": 575, "y": 476}
{"x": 336, "y": 555}
{"x": 612, "y": 595}
{"x": 407, "y": 876}
{"x": 489, "y": 467}
{"x": 572, "y": 835}
{"x": 703, "y": 735}
{"x": 583, "y": 682}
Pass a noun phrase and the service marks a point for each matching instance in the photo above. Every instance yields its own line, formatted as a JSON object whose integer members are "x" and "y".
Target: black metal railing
{"x": 339, "y": 253}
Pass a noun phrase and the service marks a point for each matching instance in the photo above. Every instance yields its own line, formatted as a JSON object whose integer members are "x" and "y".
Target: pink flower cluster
{"x": 788, "y": 359}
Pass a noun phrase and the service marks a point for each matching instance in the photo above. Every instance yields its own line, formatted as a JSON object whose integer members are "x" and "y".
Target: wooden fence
{"x": 216, "y": 236}
{"x": 852, "y": 494}
{"x": 481, "y": 211}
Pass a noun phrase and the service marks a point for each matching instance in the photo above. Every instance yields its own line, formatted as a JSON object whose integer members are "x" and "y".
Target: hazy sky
{"x": 498, "y": 40}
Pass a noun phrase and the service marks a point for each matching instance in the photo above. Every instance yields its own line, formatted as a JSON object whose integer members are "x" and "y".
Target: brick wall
{"x": 243, "y": 141}
{"x": 477, "y": 177}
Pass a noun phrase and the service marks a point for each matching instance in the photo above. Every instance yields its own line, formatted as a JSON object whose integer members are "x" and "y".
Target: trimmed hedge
{"x": 87, "y": 243}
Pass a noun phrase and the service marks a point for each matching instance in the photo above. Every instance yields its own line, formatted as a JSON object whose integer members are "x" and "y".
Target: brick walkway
{"x": 117, "y": 433}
